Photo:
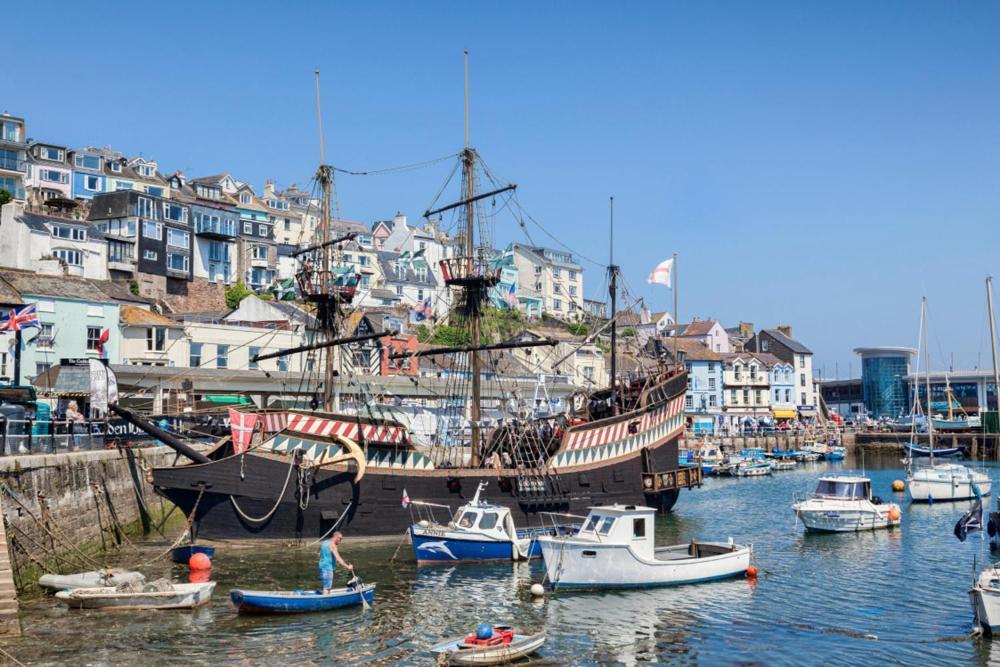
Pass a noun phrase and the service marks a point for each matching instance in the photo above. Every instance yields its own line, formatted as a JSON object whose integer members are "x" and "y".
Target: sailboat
{"x": 941, "y": 481}
{"x": 313, "y": 471}
{"x": 953, "y": 423}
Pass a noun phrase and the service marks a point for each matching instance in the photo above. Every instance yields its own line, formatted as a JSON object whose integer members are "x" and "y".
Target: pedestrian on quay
{"x": 329, "y": 557}
{"x": 76, "y": 423}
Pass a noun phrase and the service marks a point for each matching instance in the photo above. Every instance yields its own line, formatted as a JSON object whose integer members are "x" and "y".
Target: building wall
{"x": 705, "y": 385}
{"x": 883, "y": 385}
{"x": 135, "y": 348}
{"x": 70, "y": 320}
{"x": 240, "y": 340}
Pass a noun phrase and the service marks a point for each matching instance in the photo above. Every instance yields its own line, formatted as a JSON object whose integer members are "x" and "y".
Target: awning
{"x": 785, "y": 414}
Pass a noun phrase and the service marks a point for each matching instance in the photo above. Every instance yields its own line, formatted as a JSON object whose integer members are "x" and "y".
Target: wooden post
{"x": 10, "y": 623}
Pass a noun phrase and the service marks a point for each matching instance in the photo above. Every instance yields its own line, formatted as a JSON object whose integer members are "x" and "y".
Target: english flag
{"x": 242, "y": 425}
{"x": 406, "y": 499}
{"x": 663, "y": 274}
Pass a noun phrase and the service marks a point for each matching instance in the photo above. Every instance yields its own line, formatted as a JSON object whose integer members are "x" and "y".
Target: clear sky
{"x": 817, "y": 164}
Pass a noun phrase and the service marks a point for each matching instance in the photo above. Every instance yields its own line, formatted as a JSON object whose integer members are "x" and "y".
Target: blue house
{"x": 781, "y": 375}
{"x": 703, "y": 401}
{"x": 88, "y": 172}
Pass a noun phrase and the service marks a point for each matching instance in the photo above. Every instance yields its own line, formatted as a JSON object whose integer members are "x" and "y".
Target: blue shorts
{"x": 326, "y": 577}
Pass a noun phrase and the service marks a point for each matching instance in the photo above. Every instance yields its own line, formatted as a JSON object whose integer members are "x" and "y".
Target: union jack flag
{"x": 424, "y": 310}
{"x": 17, "y": 319}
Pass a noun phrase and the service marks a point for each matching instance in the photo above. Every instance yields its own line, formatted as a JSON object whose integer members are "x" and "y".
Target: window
{"x": 175, "y": 212}
{"x": 116, "y": 167}
{"x": 746, "y": 397}
{"x": 71, "y": 257}
{"x": 688, "y": 402}
{"x": 41, "y": 367}
{"x": 588, "y": 372}
{"x": 218, "y": 251}
{"x": 777, "y": 395}
{"x": 758, "y": 396}
{"x": 178, "y": 239}
{"x": 788, "y": 396}
{"x": 732, "y": 396}
{"x": 711, "y": 400}
{"x": 802, "y": 361}
{"x": 45, "y": 337}
{"x": 258, "y": 252}
{"x": 362, "y": 260}
{"x": 222, "y": 356}
{"x": 555, "y": 271}
{"x": 53, "y": 176}
{"x": 156, "y": 339}
{"x": 150, "y": 255}
{"x": 178, "y": 262}
{"x": 144, "y": 207}
{"x": 145, "y": 170}
{"x": 802, "y": 379}
{"x": 591, "y": 524}
{"x": 282, "y": 363}
{"x": 364, "y": 240}
{"x": 288, "y": 225}
{"x": 152, "y": 230}
{"x": 488, "y": 520}
{"x": 753, "y": 372}
{"x": 572, "y": 290}
{"x": 51, "y": 153}
{"x": 244, "y": 197}
{"x": 365, "y": 281}
{"x": 639, "y": 527}
{"x": 73, "y": 233}
{"x": 803, "y": 397}
{"x": 422, "y": 245}
{"x": 122, "y": 185}
{"x": 195, "y": 358}
{"x": 606, "y": 525}
{"x": 538, "y": 270}
{"x": 420, "y": 295}
{"x": 88, "y": 161}
{"x": 93, "y": 339}
{"x": 261, "y": 230}
{"x": 557, "y": 288}
{"x": 399, "y": 290}
{"x": 711, "y": 384}
{"x": 556, "y": 304}
{"x": 92, "y": 183}
{"x": 251, "y": 353}
{"x": 248, "y": 228}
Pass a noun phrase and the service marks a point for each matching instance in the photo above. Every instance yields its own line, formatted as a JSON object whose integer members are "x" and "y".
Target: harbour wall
{"x": 769, "y": 441}
{"x": 980, "y": 446}
{"x": 62, "y": 511}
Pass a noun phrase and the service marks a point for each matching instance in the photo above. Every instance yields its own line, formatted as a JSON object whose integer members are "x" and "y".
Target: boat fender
{"x": 496, "y": 638}
{"x": 894, "y": 514}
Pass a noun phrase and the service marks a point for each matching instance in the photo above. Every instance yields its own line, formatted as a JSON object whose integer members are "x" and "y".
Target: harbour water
{"x": 884, "y": 597}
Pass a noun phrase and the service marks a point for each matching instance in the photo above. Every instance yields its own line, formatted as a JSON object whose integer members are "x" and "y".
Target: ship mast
{"x": 327, "y": 321}
{"x": 613, "y": 289}
{"x": 469, "y": 169}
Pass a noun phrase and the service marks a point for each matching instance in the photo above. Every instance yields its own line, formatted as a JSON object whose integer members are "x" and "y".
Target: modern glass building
{"x": 883, "y": 380}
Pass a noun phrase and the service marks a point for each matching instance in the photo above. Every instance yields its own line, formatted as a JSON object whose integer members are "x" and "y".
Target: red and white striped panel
{"x": 275, "y": 421}
{"x": 322, "y": 427}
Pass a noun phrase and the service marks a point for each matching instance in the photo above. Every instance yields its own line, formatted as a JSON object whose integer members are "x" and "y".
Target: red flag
{"x": 105, "y": 335}
{"x": 242, "y": 425}
{"x": 406, "y": 499}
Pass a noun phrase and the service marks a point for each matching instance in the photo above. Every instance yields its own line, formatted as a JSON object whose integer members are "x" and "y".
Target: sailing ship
{"x": 941, "y": 481}
{"x": 313, "y": 471}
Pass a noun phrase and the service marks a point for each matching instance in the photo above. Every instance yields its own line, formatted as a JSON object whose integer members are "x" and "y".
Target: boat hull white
{"x": 821, "y": 516}
{"x": 181, "y": 596}
{"x": 944, "y": 485}
{"x": 595, "y": 565}
{"x": 92, "y": 579}
{"x": 984, "y": 597}
{"x": 455, "y": 652}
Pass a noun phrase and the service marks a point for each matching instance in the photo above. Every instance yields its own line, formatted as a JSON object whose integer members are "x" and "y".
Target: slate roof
{"x": 792, "y": 344}
{"x": 120, "y": 291}
{"x": 699, "y": 328}
{"x": 694, "y": 350}
{"x": 9, "y": 295}
{"x": 59, "y": 287}
{"x": 387, "y": 259}
{"x": 39, "y": 222}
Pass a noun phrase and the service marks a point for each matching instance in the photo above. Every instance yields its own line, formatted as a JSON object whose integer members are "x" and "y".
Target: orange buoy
{"x": 751, "y": 572}
{"x": 200, "y": 561}
{"x": 899, "y": 486}
{"x": 894, "y": 514}
{"x": 199, "y": 576}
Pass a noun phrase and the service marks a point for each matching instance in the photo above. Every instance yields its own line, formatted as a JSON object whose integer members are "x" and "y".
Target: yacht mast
{"x": 993, "y": 342}
{"x": 927, "y": 381}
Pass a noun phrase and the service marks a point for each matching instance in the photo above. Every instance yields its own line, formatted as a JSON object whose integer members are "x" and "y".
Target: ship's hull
{"x": 373, "y": 506}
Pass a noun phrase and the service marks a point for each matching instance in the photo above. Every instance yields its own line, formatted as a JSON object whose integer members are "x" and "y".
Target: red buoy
{"x": 751, "y": 572}
{"x": 200, "y": 561}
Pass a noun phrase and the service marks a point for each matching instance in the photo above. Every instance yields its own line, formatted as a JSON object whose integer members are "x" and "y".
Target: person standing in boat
{"x": 329, "y": 557}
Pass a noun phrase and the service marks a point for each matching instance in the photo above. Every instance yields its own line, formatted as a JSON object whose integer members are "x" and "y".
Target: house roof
{"x": 9, "y": 295}
{"x": 379, "y": 293}
{"x": 39, "y": 222}
{"x": 388, "y": 259}
{"x": 790, "y": 343}
{"x": 120, "y": 291}
{"x": 135, "y": 316}
{"x": 59, "y": 287}
{"x": 694, "y": 350}
{"x": 699, "y": 328}
{"x": 209, "y": 180}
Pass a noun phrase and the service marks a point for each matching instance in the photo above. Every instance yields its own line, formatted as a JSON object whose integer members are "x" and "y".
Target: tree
{"x": 5, "y": 196}
{"x": 236, "y": 293}
{"x": 578, "y": 328}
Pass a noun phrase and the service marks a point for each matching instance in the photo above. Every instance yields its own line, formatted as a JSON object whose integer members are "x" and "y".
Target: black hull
{"x": 373, "y": 507}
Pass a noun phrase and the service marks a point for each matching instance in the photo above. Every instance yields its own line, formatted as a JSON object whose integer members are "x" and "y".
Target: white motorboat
{"x": 984, "y": 596}
{"x": 92, "y": 579}
{"x": 753, "y": 468}
{"x": 948, "y": 481}
{"x": 780, "y": 466}
{"x": 148, "y": 596}
{"x": 615, "y": 549}
{"x": 843, "y": 504}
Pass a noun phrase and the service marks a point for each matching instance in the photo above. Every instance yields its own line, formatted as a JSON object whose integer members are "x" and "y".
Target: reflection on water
{"x": 887, "y": 596}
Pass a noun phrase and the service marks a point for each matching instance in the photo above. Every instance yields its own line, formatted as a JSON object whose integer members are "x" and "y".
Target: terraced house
{"x": 13, "y": 155}
{"x": 49, "y": 175}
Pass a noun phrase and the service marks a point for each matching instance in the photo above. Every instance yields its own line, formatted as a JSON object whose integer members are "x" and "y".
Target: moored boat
{"x": 844, "y": 503}
{"x": 615, "y": 548}
{"x": 984, "y": 596}
{"x": 835, "y": 453}
{"x": 149, "y": 596}
{"x": 753, "y": 468}
{"x": 301, "y": 601}
{"x": 783, "y": 465}
{"x": 93, "y": 579}
{"x": 499, "y": 645}
{"x": 914, "y": 450}
{"x": 948, "y": 481}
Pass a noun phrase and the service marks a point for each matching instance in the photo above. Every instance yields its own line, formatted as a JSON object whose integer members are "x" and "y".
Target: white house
{"x": 69, "y": 246}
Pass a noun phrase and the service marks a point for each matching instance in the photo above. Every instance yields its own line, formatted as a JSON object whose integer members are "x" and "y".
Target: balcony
{"x": 125, "y": 264}
{"x": 8, "y": 163}
{"x": 215, "y": 229}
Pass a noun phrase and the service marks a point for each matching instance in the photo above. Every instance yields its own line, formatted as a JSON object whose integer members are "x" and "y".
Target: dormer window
{"x": 116, "y": 167}
{"x": 146, "y": 170}
{"x": 51, "y": 153}
{"x": 244, "y": 197}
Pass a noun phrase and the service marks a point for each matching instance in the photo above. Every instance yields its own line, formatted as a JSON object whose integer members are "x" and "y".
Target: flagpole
{"x": 677, "y": 318}
{"x": 17, "y": 357}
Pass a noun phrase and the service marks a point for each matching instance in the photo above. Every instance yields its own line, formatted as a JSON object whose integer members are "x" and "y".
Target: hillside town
{"x": 148, "y": 269}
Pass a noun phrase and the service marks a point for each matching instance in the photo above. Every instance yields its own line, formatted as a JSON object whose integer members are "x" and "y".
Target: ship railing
{"x": 21, "y": 437}
{"x": 467, "y": 270}
{"x": 681, "y": 478}
{"x": 424, "y": 511}
{"x": 314, "y": 283}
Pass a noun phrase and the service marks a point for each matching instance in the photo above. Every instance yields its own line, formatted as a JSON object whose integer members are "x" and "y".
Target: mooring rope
{"x": 288, "y": 477}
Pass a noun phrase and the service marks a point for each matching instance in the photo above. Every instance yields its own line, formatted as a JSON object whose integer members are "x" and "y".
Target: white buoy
{"x": 537, "y": 590}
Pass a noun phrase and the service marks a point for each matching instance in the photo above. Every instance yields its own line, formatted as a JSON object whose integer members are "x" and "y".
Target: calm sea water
{"x": 885, "y": 597}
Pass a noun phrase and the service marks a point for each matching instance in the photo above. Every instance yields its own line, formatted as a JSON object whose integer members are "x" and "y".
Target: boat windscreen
{"x": 468, "y": 519}
{"x": 606, "y": 525}
{"x": 829, "y": 488}
{"x": 591, "y": 524}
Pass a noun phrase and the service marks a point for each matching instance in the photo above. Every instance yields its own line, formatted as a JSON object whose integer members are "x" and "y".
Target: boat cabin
{"x": 630, "y": 525}
{"x": 844, "y": 488}
{"x": 485, "y": 519}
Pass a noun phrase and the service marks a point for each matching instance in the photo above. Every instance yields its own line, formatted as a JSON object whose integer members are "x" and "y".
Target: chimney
{"x": 746, "y": 329}
{"x": 785, "y": 329}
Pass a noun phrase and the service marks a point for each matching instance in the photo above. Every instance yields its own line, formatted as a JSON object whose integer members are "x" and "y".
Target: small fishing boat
{"x": 835, "y": 454}
{"x": 810, "y": 457}
{"x": 781, "y": 465}
{"x": 131, "y": 597}
{"x": 183, "y": 554}
{"x": 984, "y": 596}
{"x": 498, "y": 645}
{"x": 844, "y": 503}
{"x": 753, "y": 468}
{"x": 479, "y": 531}
{"x": 966, "y": 423}
{"x": 93, "y": 579}
{"x": 301, "y": 601}
{"x": 915, "y": 450}
{"x": 948, "y": 481}
{"x": 710, "y": 458}
{"x": 615, "y": 549}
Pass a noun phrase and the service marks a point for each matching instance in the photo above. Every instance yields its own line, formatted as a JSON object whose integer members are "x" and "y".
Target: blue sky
{"x": 818, "y": 164}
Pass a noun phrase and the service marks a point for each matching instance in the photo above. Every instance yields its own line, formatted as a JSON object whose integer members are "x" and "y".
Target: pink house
{"x": 709, "y": 332}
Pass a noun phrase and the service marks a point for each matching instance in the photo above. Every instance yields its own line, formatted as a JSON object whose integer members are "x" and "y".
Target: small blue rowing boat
{"x": 183, "y": 554}
{"x": 301, "y": 602}
{"x": 942, "y": 452}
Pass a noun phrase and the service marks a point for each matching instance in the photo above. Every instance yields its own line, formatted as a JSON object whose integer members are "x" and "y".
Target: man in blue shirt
{"x": 329, "y": 556}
